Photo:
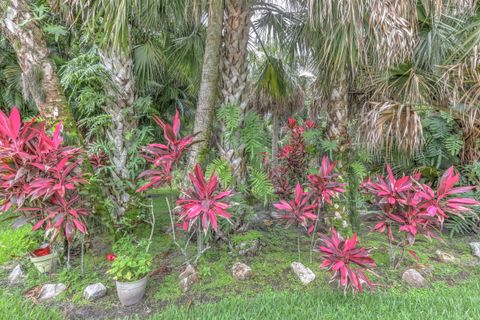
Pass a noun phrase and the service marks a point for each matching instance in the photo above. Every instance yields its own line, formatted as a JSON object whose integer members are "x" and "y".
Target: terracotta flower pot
{"x": 131, "y": 293}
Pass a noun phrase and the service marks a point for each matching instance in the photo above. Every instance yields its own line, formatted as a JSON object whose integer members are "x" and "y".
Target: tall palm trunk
{"x": 39, "y": 76}
{"x": 120, "y": 107}
{"x": 209, "y": 82}
{"x": 337, "y": 127}
{"x": 234, "y": 64}
{"x": 234, "y": 74}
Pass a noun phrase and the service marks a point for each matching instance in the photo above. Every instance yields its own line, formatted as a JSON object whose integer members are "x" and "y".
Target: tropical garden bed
{"x": 239, "y": 159}
{"x": 273, "y": 292}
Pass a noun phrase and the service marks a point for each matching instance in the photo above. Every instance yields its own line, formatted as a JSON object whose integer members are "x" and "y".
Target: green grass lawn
{"x": 273, "y": 292}
{"x": 440, "y": 302}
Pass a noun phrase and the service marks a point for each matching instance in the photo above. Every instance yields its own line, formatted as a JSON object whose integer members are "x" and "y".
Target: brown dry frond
{"x": 389, "y": 123}
{"x": 390, "y": 25}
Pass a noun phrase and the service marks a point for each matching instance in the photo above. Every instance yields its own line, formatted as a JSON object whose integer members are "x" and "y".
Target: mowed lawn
{"x": 440, "y": 302}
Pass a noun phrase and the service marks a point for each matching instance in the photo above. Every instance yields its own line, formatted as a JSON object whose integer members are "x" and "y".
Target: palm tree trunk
{"x": 209, "y": 82}
{"x": 39, "y": 74}
{"x": 234, "y": 74}
{"x": 337, "y": 127}
{"x": 120, "y": 107}
{"x": 234, "y": 64}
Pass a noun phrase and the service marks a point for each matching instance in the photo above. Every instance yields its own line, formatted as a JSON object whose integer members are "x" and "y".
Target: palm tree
{"x": 345, "y": 36}
{"x": 38, "y": 72}
{"x": 236, "y": 34}
{"x": 439, "y": 75}
{"x": 129, "y": 36}
{"x": 277, "y": 94}
{"x": 209, "y": 83}
{"x": 390, "y": 51}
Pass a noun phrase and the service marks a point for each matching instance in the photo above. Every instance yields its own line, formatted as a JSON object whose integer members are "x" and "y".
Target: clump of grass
{"x": 14, "y": 306}
{"x": 15, "y": 243}
{"x": 247, "y": 236}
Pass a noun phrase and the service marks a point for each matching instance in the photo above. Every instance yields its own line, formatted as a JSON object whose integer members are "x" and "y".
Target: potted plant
{"x": 41, "y": 255}
{"x": 130, "y": 266}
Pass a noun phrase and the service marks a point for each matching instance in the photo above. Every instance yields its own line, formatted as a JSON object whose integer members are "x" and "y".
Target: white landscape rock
{"x": 241, "y": 271}
{"x": 414, "y": 278}
{"x": 17, "y": 275}
{"x": 303, "y": 273}
{"x": 95, "y": 291}
{"x": 189, "y": 269}
{"x": 50, "y": 291}
{"x": 188, "y": 277}
{"x": 475, "y": 248}
{"x": 444, "y": 257}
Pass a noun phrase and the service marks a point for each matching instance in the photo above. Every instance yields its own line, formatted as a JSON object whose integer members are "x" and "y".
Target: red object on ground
{"x": 42, "y": 252}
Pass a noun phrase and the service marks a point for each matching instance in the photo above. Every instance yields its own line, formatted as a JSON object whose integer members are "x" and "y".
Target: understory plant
{"x": 305, "y": 208}
{"x": 165, "y": 156}
{"x": 299, "y": 211}
{"x": 346, "y": 260}
{"x": 291, "y": 162}
{"x": 201, "y": 205}
{"x": 130, "y": 261}
{"x": 39, "y": 178}
{"x": 411, "y": 208}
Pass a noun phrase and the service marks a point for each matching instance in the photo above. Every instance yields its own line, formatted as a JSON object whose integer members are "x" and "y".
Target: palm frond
{"x": 390, "y": 123}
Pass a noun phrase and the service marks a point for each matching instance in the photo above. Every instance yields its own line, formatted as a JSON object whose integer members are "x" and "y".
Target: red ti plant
{"x": 324, "y": 185}
{"x": 165, "y": 155}
{"x": 63, "y": 215}
{"x": 98, "y": 159}
{"x": 414, "y": 208}
{"x": 36, "y": 170}
{"x": 176, "y": 145}
{"x": 346, "y": 261}
{"x": 201, "y": 206}
{"x": 441, "y": 203}
{"x": 389, "y": 191}
{"x": 310, "y": 124}
{"x": 293, "y": 162}
{"x": 299, "y": 211}
{"x": 203, "y": 202}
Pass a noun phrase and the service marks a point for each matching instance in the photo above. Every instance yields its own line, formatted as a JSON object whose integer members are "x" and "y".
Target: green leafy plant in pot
{"x": 130, "y": 265}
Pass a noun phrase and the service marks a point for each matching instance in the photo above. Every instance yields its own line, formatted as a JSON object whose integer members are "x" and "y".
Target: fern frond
{"x": 260, "y": 185}
{"x": 222, "y": 170}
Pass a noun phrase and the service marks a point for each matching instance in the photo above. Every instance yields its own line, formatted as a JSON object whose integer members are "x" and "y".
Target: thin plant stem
{"x": 152, "y": 223}
{"x": 183, "y": 250}
{"x": 68, "y": 255}
{"x": 298, "y": 247}
{"x": 153, "y": 226}
{"x": 82, "y": 257}
{"x": 312, "y": 242}
{"x": 199, "y": 237}
{"x": 402, "y": 256}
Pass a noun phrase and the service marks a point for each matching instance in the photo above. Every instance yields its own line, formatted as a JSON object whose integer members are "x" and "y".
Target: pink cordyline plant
{"x": 203, "y": 202}
{"x": 346, "y": 261}
{"x": 414, "y": 208}
{"x": 299, "y": 211}
{"x": 324, "y": 185}
{"x": 39, "y": 177}
{"x": 165, "y": 156}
